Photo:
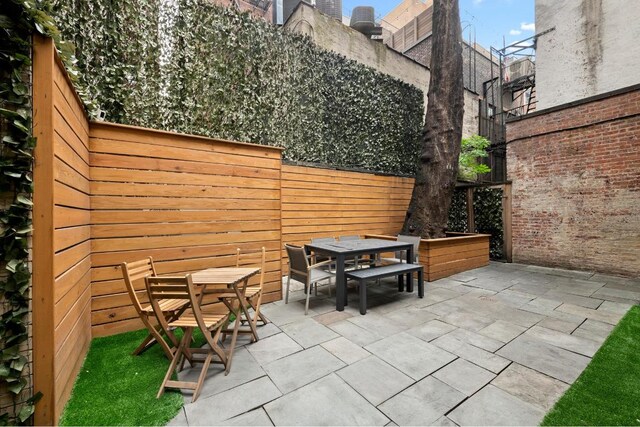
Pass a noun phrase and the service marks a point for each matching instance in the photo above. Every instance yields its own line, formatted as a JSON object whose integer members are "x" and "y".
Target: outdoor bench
{"x": 374, "y": 273}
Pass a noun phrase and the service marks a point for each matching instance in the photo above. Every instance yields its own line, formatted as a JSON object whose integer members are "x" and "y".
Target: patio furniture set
{"x": 180, "y": 302}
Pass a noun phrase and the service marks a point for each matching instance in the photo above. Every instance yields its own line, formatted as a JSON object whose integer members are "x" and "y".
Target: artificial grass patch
{"x": 116, "y": 388}
{"x": 608, "y": 391}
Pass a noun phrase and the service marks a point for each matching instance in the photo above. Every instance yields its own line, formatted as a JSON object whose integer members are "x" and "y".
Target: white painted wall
{"x": 594, "y": 49}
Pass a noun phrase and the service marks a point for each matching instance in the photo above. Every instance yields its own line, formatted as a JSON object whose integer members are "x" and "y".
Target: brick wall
{"x": 576, "y": 184}
{"x": 473, "y": 79}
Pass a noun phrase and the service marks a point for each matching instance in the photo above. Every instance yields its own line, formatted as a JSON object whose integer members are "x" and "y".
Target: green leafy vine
{"x": 194, "y": 67}
{"x": 19, "y": 19}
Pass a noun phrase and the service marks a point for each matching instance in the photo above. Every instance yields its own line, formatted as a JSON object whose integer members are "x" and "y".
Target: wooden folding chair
{"x": 253, "y": 294}
{"x": 182, "y": 288}
{"x": 138, "y": 270}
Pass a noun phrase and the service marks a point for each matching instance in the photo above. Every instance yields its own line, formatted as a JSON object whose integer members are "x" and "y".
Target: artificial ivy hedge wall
{"x": 487, "y": 213}
{"x": 193, "y": 67}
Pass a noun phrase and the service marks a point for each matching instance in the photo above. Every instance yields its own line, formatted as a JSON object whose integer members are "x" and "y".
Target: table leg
{"x": 236, "y": 328}
{"x": 341, "y": 288}
{"x": 245, "y": 310}
{"x": 410, "y": 260}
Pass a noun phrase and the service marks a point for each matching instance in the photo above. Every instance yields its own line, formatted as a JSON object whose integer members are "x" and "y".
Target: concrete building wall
{"x": 402, "y": 14}
{"x": 594, "y": 48}
{"x": 334, "y": 36}
{"x": 576, "y": 184}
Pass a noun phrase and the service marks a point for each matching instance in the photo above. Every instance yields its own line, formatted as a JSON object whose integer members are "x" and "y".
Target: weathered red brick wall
{"x": 576, "y": 185}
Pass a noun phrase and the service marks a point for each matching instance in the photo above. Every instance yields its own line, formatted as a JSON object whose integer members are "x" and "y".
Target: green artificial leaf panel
{"x": 202, "y": 69}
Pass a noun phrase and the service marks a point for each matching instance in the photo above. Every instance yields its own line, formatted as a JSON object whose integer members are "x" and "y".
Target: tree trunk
{"x": 436, "y": 178}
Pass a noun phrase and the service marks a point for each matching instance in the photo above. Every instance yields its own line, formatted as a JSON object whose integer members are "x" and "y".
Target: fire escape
{"x": 509, "y": 93}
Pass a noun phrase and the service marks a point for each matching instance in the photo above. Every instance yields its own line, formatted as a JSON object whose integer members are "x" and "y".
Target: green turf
{"x": 116, "y": 388}
{"x": 608, "y": 391}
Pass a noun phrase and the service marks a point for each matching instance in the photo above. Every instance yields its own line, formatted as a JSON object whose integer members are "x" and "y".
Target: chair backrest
{"x": 251, "y": 259}
{"x": 344, "y": 238}
{"x": 411, "y": 239}
{"x": 323, "y": 240}
{"x": 171, "y": 287}
{"x": 133, "y": 272}
{"x": 298, "y": 263}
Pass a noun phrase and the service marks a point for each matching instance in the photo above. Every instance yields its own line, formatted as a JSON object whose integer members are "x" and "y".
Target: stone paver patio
{"x": 493, "y": 346}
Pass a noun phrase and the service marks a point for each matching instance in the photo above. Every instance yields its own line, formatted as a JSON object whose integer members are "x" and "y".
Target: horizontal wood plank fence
{"x": 186, "y": 201}
{"x": 61, "y": 247}
{"x": 107, "y": 194}
{"x": 331, "y": 203}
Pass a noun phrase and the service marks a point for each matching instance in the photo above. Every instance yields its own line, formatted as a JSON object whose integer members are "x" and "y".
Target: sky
{"x": 490, "y": 19}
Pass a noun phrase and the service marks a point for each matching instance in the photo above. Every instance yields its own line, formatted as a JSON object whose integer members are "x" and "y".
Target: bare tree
{"x": 436, "y": 178}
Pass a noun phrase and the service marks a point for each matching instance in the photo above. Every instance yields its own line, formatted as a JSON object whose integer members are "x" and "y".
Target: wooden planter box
{"x": 449, "y": 255}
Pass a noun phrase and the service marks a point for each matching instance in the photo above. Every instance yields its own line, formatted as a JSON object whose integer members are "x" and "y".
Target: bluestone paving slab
{"x": 378, "y": 324}
{"x": 466, "y": 320}
{"x": 465, "y": 277}
{"x": 502, "y": 331}
{"x": 612, "y": 281}
{"x": 410, "y": 317}
{"x": 495, "y": 285}
{"x": 257, "y": 417}
{"x": 560, "y": 272}
{"x": 531, "y": 386}
{"x": 244, "y": 369}
{"x": 615, "y": 307}
{"x": 345, "y": 350}
{"x": 355, "y": 333}
{"x": 560, "y": 325}
{"x": 514, "y": 298}
{"x": 375, "y": 379}
{"x": 546, "y": 358}
{"x": 587, "y": 302}
{"x": 327, "y": 401}
{"x": 273, "y": 348}
{"x": 280, "y": 315}
{"x": 332, "y": 317}
{"x": 307, "y": 332}
{"x": 580, "y": 287}
{"x": 464, "y": 376}
{"x": 431, "y": 330}
{"x": 411, "y": 355}
{"x": 480, "y": 357}
{"x": 179, "y": 420}
{"x": 423, "y": 403}
{"x": 576, "y": 344}
{"x": 594, "y": 330}
{"x": 228, "y": 404}
{"x": 476, "y": 339}
{"x": 299, "y": 369}
{"x": 600, "y": 315}
{"x": 492, "y": 406}
{"x": 542, "y": 303}
{"x": 444, "y": 421}
{"x": 264, "y": 331}
{"x": 609, "y": 293}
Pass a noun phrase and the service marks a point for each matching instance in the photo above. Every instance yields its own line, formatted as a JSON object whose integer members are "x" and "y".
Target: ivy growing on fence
{"x": 19, "y": 19}
{"x": 194, "y": 67}
{"x": 487, "y": 208}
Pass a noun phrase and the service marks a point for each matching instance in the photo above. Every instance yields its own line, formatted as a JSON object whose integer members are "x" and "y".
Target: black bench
{"x": 392, "y": 270}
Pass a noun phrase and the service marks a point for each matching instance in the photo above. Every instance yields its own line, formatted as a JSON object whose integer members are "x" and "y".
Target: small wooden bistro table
{"x": 233, "y": 281}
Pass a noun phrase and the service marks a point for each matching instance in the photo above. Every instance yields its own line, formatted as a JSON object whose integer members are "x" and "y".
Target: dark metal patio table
{"x": 349, "y": 248}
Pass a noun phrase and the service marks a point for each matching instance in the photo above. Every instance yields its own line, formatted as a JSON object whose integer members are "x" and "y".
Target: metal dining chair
{"x": 302, "y": 271}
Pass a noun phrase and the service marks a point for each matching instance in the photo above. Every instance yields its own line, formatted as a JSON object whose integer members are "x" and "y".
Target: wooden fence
{"x": 321, "y": 203}
{"x": 187, "y": 201}
{"x": 61, "y": 246}
{"x": 107, "y": 193}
